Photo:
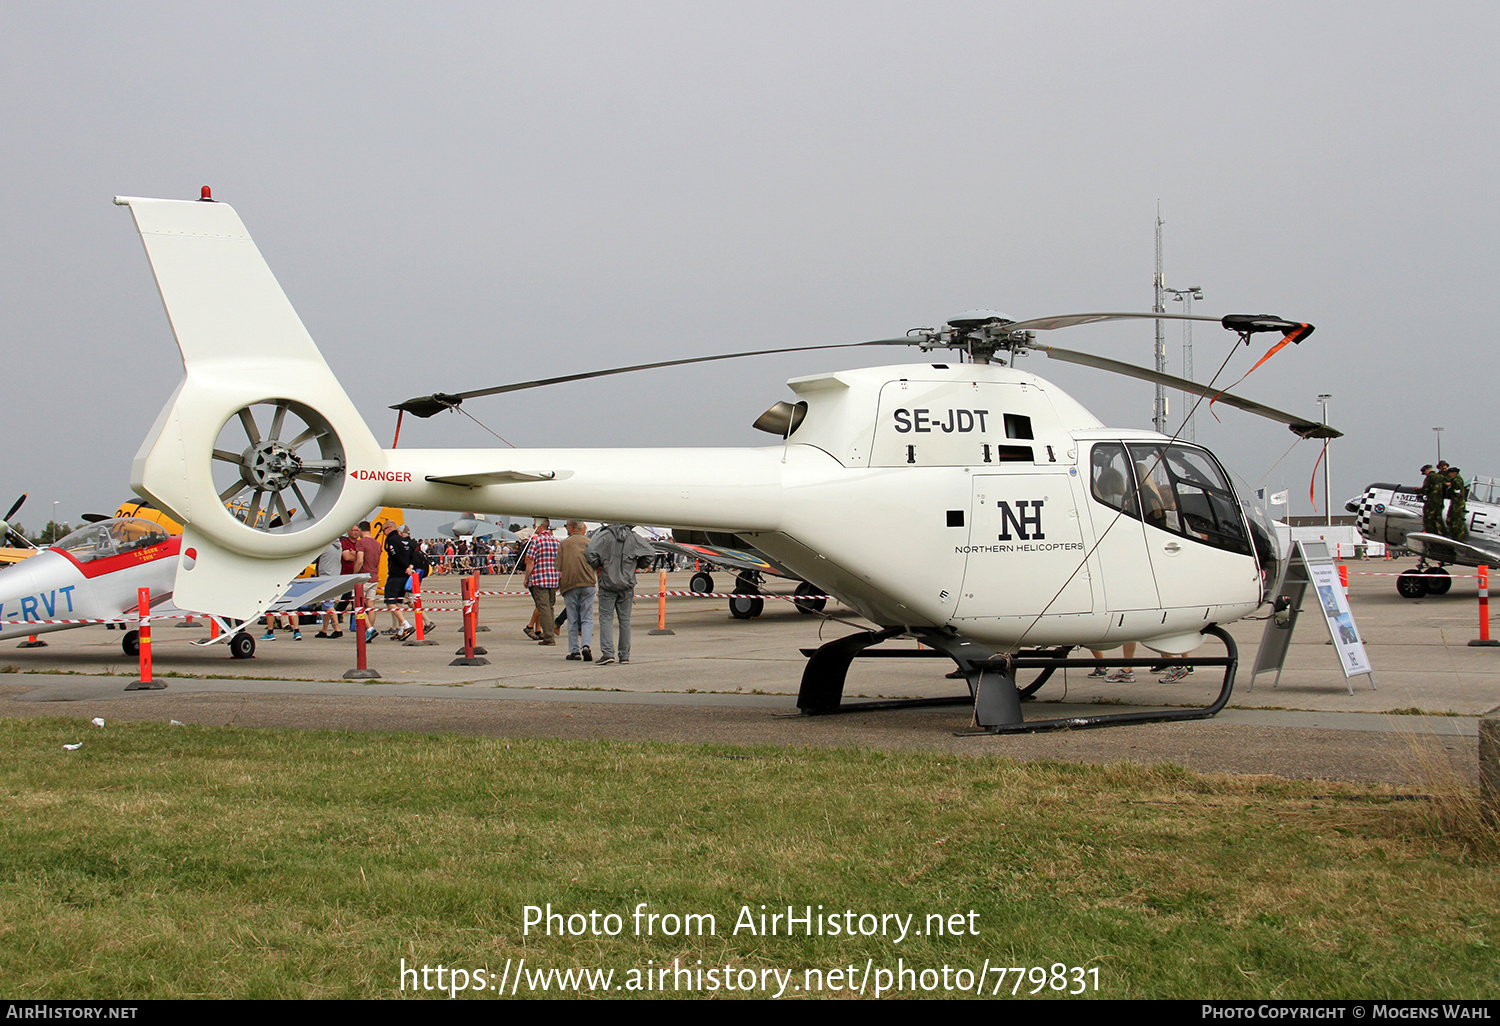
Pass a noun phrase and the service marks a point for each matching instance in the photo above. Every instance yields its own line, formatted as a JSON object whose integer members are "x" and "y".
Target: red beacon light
{"x": 207, "y": 196}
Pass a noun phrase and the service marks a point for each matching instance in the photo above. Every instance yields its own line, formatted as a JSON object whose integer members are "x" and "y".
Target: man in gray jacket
{"x": 613, "y": 551}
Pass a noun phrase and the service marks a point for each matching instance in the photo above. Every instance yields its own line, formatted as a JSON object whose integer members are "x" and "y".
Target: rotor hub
{"x": 270, "y": 466}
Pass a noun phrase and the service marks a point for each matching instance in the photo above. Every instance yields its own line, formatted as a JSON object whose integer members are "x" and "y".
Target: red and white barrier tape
{"x": 369, "y": 610}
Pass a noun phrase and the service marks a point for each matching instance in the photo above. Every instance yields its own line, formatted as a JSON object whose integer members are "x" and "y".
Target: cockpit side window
{"x": 1185, "y": 492}
{"x": 1112, "y": 481}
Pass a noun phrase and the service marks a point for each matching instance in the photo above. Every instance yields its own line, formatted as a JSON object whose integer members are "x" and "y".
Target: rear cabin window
{"x": 1113, "y": 482}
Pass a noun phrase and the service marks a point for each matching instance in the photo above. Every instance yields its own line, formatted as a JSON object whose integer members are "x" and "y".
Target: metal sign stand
{"x": 1311, "y": 564}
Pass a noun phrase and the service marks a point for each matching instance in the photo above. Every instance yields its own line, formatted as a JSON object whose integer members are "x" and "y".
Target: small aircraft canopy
{"x": 111, "y": 538}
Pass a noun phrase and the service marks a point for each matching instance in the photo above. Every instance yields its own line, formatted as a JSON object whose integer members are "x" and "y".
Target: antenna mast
{"x": 1159, "y": 411}
{"x": 1186, "y": 297}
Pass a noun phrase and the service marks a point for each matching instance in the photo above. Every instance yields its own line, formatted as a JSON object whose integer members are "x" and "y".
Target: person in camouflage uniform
{"x": 1458, "y": 506}
{"x": 1434, "y": 484}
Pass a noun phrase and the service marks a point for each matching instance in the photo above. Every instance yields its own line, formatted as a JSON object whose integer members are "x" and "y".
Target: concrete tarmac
{"x": 717, "y": 680}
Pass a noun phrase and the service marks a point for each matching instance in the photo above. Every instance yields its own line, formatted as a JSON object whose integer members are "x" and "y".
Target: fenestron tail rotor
{"x": 259, "y": 418}
{"x": 278, "y": 465}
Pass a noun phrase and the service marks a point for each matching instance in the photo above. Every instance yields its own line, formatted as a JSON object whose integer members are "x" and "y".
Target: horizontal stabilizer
{"x": 490, "y": 477}
{"x": 306, "y": 591}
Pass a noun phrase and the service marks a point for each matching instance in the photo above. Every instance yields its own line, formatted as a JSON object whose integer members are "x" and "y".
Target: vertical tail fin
{"x": 292, "y": 432}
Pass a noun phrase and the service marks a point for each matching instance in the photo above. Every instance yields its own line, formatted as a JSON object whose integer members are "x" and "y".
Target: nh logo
{"x": 1020, "y": 519}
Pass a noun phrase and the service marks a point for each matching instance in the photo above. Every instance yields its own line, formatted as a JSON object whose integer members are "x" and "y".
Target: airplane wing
{"x": 733, "y": 559}
{"x": 1445, "y": 550}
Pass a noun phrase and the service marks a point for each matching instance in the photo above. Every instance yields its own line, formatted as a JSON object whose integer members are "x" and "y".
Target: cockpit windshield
{"x": 1174, "y": 488}
{"x": 111, "y": 538}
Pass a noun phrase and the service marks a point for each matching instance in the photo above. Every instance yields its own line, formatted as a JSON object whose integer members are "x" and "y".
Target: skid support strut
{"x": 822, "y": 688}
{"x": 987, "y": 722}
{"x": 993, "y": 691}
{"x": 823, "y": 677}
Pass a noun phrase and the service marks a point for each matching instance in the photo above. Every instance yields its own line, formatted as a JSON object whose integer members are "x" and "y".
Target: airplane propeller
{"x": 982, "y": 334}
{"x": 5, "y": 522}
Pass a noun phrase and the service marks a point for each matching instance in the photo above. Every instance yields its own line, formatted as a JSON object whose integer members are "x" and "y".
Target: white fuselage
{"x": 883, "y": 496}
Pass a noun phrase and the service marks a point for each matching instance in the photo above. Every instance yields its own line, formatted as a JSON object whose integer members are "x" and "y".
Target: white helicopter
{"x": 1392, "y": 513}
{"x": 971, "y": 505}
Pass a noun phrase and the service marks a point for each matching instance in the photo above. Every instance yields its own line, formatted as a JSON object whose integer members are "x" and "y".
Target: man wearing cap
{"x": 577, "y": 583}
{"x": 1458, "y": 506}
{"x": 1434, "y": 484}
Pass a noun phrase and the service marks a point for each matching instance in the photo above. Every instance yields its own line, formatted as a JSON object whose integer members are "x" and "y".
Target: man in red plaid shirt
{"x": 542, "y": 577}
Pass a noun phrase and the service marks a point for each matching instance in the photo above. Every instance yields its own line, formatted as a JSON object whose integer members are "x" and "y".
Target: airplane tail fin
{"x": 252, "y": 451}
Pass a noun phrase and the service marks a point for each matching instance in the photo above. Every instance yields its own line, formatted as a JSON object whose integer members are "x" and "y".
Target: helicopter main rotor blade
{"x": 431, "y": 405}
{"x": 1301, "y": 425}
{"x": 1073, "y": 320}
{"x": 1246, "y": 323}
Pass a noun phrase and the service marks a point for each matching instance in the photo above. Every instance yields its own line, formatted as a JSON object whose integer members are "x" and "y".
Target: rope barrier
{"x": 460, "y": 606}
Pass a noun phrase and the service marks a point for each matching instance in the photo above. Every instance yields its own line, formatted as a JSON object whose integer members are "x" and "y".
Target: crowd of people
{"x": 584, "y": 570}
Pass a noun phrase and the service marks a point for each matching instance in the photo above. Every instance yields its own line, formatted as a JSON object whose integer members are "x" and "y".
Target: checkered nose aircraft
{"x": 1392, "y": 514}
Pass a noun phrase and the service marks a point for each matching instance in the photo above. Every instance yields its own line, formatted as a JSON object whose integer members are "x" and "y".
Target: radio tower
{"x": 1186, "y": 297}
{"x": 1159, "y": 414}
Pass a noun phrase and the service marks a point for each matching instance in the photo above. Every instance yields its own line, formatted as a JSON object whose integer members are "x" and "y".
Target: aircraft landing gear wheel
{"x": 131, "y": 643}
{"x": 1438, "y": 585}
{"x": 1410, "y": 585}
{"x": 746, "y": 607}
{"x": 241, "y": 646}
{"x": 701, "y": 582}
{"x": 809, "y": 605}
{"x": 746, "y": 603}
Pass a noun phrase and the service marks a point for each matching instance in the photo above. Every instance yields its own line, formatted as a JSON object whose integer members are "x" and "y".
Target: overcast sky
{"x": 458, "y": 195}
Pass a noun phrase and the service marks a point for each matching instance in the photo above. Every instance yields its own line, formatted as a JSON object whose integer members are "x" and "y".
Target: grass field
{"x": 160, "y": 861}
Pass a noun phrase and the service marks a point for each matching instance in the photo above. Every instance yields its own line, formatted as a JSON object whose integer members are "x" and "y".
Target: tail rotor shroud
{"x": 289, "y": 473}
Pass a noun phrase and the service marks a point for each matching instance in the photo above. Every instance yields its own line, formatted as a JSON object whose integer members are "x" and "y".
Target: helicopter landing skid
{"x": 823, "y": 677}
{"x": 993, "y": 691}
{"x": 987, "y": 722}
